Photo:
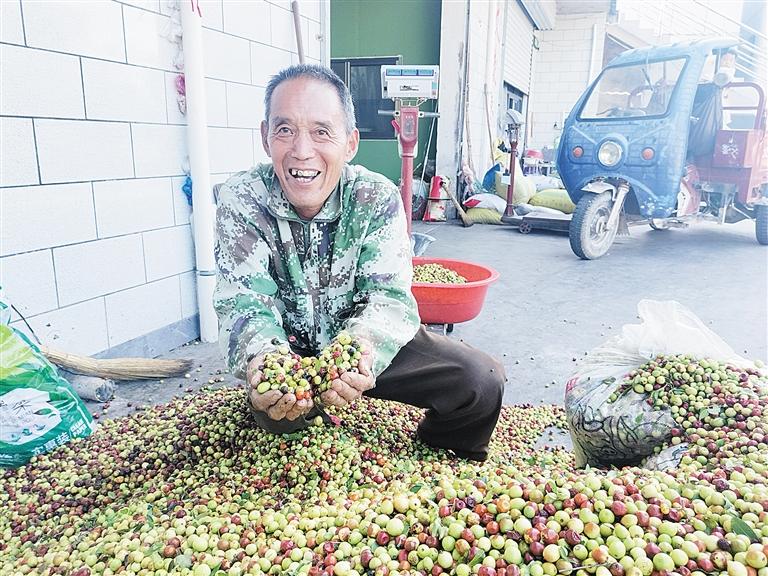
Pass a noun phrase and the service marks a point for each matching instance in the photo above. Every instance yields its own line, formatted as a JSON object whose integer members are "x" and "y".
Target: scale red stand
{"x": 407, "y": 130}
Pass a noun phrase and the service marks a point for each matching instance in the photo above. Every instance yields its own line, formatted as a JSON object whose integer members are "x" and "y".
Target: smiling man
{"x": 309, "y": 245}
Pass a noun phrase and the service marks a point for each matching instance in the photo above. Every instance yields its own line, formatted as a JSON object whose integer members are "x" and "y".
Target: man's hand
{"x": 273, "y": 403}
{"x": 350, "y": 386}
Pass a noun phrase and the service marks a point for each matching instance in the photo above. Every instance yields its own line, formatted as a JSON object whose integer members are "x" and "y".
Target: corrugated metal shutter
{"x": 518, "y": 38}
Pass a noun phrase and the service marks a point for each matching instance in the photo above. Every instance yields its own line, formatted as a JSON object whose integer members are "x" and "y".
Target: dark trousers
{"x": 460, "y": 387}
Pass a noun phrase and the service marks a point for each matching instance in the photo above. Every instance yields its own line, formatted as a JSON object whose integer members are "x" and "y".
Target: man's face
{"x": 307, "y": 141}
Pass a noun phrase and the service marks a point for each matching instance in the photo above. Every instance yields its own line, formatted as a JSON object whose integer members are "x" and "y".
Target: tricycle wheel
{"x": 525, "y": 227}
{"x": 761, "y": 223}
{"x": 588, "y": 232}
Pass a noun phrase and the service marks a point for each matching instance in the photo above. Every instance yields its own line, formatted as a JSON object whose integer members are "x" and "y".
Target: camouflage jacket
{"x": 349, "y": 268}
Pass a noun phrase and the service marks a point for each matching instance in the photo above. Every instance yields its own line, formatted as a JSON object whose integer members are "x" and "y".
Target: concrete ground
{"x": 548, "y": 308}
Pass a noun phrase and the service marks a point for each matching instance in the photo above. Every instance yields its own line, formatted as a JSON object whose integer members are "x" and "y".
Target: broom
{"x": 112, "y": 368}
{"x": 118, "y": 368}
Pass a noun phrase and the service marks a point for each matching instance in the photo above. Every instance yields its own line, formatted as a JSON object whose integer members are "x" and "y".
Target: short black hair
{"x": 316, "y": 72}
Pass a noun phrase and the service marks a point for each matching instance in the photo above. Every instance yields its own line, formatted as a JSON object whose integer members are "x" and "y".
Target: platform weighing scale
{"x": 439, "y": 304}
{"x": 409, "y": 87}
{"x": 534, "y": 220}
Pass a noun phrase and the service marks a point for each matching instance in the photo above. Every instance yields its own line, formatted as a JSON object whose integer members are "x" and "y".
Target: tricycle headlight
{"x": 609, "y": 153}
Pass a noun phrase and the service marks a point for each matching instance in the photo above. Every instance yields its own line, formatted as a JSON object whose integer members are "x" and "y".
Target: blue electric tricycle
{"x": 665, "y": 136}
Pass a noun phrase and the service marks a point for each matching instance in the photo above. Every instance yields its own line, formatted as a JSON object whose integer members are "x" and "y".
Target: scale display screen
{"x": 398, "y": 81}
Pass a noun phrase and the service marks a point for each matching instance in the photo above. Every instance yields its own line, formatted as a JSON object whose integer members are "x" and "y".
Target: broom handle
{"x": 467, "y": 221}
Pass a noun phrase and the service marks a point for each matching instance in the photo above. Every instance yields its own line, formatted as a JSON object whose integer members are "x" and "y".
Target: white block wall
{"x": 96, "y": 248}
{"x": 561, "y": 72}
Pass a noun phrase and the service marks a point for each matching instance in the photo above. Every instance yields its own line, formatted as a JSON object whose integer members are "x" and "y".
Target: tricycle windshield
{"x": 642, "y": 89}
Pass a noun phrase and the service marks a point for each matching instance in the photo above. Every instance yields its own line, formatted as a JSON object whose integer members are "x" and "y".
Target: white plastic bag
{"x": 670, "y": 328}
{"x": 543, "y": 182}
{"x": 628, "y": 430}
{"x": 486, "y": 201}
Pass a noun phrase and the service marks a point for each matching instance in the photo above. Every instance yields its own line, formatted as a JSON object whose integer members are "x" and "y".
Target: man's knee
{"x": 487, "y": 377}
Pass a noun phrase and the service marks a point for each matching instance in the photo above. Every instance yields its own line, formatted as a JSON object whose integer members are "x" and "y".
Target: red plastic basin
{"x": 453, "y": 303}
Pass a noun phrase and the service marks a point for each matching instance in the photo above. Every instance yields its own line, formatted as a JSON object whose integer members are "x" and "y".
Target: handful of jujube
{"x": 309, "y": 376}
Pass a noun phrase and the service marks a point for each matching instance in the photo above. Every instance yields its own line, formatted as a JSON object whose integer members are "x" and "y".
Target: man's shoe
{"x": 475, "y": 456}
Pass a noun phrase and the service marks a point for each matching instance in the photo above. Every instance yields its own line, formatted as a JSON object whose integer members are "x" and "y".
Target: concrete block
{"x": 128, "y": 206}
{"x": 547, "y": 55}
{"x": 85, "y": 28}
{"x": 538, "y": 125}
{"x": 570, "y": 56}
{"x": 181, "y": 208}
{"x": 311, "y": 32}
{"x": 245, "y": 106}
{"x": 11, "y": 27}
{"x": 226, "y": 57}
{"x": 582, "y": 66}
{"x": 259, "y": 154}
{"x": 573, "y": 76}
{"x": 123, "y": 92}
{"x": 248, "y": 20}
{"x": 188, "y": 286}
{"x": 159, "y": 150}
{"x": 173, "y": 113}
{"x": 168, "y": 252}
{"x": 545, "y": 44}
{"x": 573, "y": 34}
{"x": 151, "y": 5}
{"x": 549, "y": 116}
{"x": 216, "y": 101}
{"x": 28, "y": 282}
{"x": 40, "y": 83}
{"x": 542, "y": 98}
{"x": 267, "y": 61}
{"x": 37, "y": 217}
{"x": 78, "y": 329}
{"x": 18, "y": 160}
{"x": 283, "y": 31}
{"x": 146, "y": 39}
{"x": 310, "y": 9}
{"x": 157, "y": 342}
{"x": 77, "y": 150}
{"x": 213, "y": 14}
{"x": 556, "y": 35}
{"x": 135, "y": 312}
{"x": 84, "y": 271}
{"x": 231, "y": 149}
{"x": 573, "y": 89}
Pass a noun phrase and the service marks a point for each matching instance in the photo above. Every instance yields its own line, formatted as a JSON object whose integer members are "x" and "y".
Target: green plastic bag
{"x": 38, "y": 408}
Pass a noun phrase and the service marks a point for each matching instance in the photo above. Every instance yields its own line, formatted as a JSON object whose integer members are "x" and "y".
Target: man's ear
{"x": 264, "y": 139}
{"x": 353, "y": 141}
